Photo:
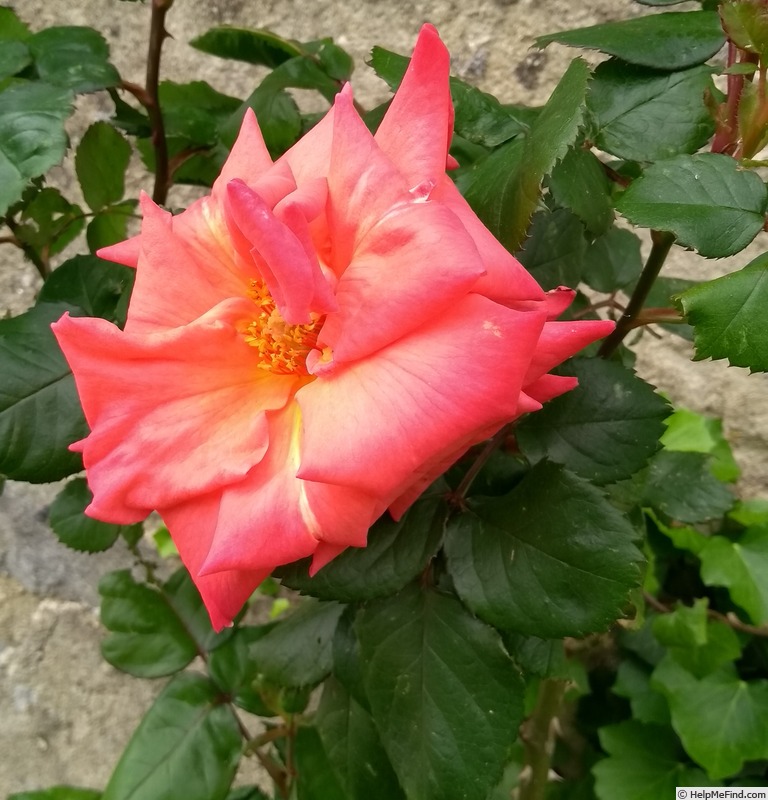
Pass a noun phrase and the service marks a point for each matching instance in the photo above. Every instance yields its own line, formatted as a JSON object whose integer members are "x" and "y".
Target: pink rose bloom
{"x": 311, "y": 345}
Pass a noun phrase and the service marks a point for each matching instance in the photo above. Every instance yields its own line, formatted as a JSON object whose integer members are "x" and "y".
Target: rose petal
{"x": 374, "y": 423}
{"x": 417, "y": 128}
{"x": 249, "y": 157}
{"x": 148, "y": 399}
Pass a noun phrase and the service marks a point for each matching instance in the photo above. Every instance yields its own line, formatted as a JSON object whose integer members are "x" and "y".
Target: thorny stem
{"x": 157, "y": 34}
{"x": 728, "y": 131}
{"x": 662, "y": 242}
{"x": 538, "y": 736}
{"x": 730, "y": 619}
{"x": 273, "y": 769}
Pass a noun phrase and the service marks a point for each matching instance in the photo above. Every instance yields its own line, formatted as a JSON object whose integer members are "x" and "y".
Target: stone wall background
{"x": 65, "y": 715}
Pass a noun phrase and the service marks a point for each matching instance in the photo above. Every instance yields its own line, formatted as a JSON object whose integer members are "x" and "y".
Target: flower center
{"x": 282, "y": 348}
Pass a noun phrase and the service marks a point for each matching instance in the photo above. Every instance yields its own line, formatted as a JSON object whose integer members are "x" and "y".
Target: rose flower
{"x": 311, "y": 344}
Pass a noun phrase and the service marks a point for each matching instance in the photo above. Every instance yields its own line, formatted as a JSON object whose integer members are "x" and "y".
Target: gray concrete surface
{"x": 64, "y": 714}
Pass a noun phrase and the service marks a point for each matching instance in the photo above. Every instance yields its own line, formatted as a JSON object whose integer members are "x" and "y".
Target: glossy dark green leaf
{"x": 682, "y": 486}
{"x": 741, "y": 566}
{"x": 645, "y": 115}
{"x": 188, "y": 740}
{"x": 480, "y": 118}
{"x": 14, "y": 56}
{"x": 395, "y": 554}
{"x": 233, "y": 670}
{"x": 645, "y": 762}
{"x": 613, "y": 260}
{"x": 58, "y": 793}
{"x": 49, "y": 222}
{"x": 73, "y": 528}
{"x": 32, "y": 135}
{"x": 579, "y": 183}
{"x": 96, "y": 286}
{"x": 316, "y": 777}
{"x": 605, "y": 429}
{"x": 746, "y": 26}
{"x": 721, "y": 719}
{"x": 553, "y": 558}
{"x": 673, "y": 40}
{"x": 353, "y": 747}
{"x": 507, "y": 203}
{"x": 100, "y": 162}
{"x": 707, "y": 201}
{"x": 727, "y": 316}
{"x": 110, "y": 226}
{"x": 347, "y": 668}
{"x": 251, "y": 45}
{"x": 544, "y": 658}
{"x": 73, "y": 57}
{"x": 146, "y": 636}
{"x": 194, "y": 112}
{"x": 555, "y": 248}
{"x": 40, "y": 414}
{"x": 444, "y": 695}
{"x": 334, "y": 60}
{"x": 298, "y": 650}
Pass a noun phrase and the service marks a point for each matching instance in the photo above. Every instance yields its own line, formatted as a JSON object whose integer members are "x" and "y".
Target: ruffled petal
{"x": 292, "y": 274}
{"x": 558, "y": 300}
{"x": 561, "y": 340}
{"x": 506, "y": 280}
{"x": 191, "y": 525}
{"x": 264, "y": 520}
{"x": 373, "y": 424}
{"x": 417, "y": 128}
{"x": 172, "y": 415}
{"x": 363, "y": 184}
{"x": 413, "y": 265}
{"x": 186, "y": 266}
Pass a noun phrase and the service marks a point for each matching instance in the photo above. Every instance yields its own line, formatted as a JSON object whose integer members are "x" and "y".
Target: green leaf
{"x": 644, "y": 115}
{"x": 32, "y": 135}
{"x": 58, "y": 792}
{"x": 233, "y": 670}
{"x": 316, "y": 778}
{"x": 147, "y": 638}
{"x": 395, "y": 554}
{"x": 645, "y": 762}
{"x": 278, "y": 117}
{"x": 353, "y": 746}
{"x": 686, "y": 626}
{"x": 507, "y": 203}
{"x": 100, "y": 162}
{"x": 188, "y": 743}
{"x": 721, "y": 719}
{"x": 555, "y": 248}
{"x": 11, "y": 27}
{"x": 682, "y": 486}
{"x": 40, "y": 413}
{"x": 49, "y": 222}
{"x": 298, "y": 650}
{"x": 579, "y": 183}
{"x": 707, "y": 201}
{"x": 100, "y": 288}
{"x": 605, "y": 429}
{"x": 73, "y": 528}
{"x": 726, "y": 314}
{"x": 444, "y": 695}
{"x": 633, "y": 681}
{"x": 14, "y": 56}
{"x": 251, "y": 45}
{"x": 674, "y": 40}
{"x": 74, "y": 57}
{"x": 690, "y": 432}
{"x": 746, "y": 26}
{"x": 544, "y": 658}
{"x": 720, "y": 647}
{"x": 110, "y": 225}
{"x": 613, "y": 260}
{"x": 194, "y": 112}
{"x": 742, "y": 568}
{"x": 553, "y": 558}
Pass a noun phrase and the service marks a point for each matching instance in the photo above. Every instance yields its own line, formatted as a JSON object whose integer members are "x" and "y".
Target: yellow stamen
{"x": 282, "y": 348}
